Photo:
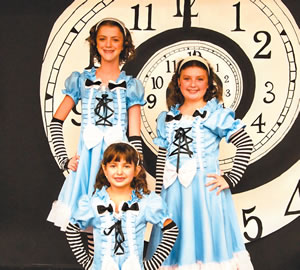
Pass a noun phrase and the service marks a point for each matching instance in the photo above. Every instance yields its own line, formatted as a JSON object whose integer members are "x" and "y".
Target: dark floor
{"x": 42, "y": 267}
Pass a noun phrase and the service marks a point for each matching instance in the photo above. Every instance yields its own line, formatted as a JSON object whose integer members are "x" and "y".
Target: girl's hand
{"x": 73, "y": 163}
{"x": 217, "y": 182}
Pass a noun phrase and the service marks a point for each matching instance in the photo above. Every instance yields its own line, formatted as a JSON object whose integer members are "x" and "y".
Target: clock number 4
{"x": 247, "y": 219}
{"x": 258, "y": 122}
{"x": 258, "y": 36}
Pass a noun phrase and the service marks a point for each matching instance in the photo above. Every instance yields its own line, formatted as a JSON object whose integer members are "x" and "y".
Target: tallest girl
{"x": 110, "y": 102}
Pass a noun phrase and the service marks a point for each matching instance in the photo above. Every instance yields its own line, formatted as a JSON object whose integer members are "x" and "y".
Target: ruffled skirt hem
{"x": 241, "y": 261}
{"x": 60, "y": 215}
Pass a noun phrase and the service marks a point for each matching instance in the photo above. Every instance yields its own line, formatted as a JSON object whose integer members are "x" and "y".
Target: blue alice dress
{"x": 104, "y": 112}
{"x": 119, "y": 237}
{"x": 209, "y": 234}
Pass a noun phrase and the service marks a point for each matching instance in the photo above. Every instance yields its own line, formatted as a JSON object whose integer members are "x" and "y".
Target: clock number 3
{"x": 258, "y": 222}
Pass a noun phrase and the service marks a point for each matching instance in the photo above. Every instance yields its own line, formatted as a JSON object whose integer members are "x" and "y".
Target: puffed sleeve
{"x": 84, "y": 215}
{"x": 135, "y": 93}
{"x": 72, "y": 85}
{"x": 223, "y": 123}
{"x": 161, "y": 139}
{"x": 156, "y": 210}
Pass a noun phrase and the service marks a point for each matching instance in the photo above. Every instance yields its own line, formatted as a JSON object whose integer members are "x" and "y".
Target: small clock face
{"x": 253, "y": 47}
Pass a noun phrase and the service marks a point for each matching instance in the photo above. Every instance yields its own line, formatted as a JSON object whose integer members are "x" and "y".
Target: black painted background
{"x": 30, "y": 179}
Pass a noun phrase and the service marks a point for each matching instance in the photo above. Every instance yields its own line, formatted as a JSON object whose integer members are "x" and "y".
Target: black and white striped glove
{"x": 160, "y": 166}
{"x": 170, "y": 233}
{"x": 76, "y": 244}
{"x": 244, "y": 146}
{"x": 57, "y": 137}
{"x": 136, "y": 141}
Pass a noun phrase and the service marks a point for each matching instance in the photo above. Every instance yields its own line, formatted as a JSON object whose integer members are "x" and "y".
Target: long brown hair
{"x": 128, "y": 51}
{"x": 174, "y": 95}
{"x": 116, "y": 152}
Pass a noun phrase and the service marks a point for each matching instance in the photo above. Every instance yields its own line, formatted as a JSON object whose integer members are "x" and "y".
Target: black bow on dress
{"x": 88, "y": 83}
{"x": 112, "y": 85}
{"x": 133, "y": 207}
{"x": 170, "y": 118}
{"x": 101, "y": 208}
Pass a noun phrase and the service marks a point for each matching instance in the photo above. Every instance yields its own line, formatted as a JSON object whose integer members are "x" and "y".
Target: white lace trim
{"x": 60, "y": 215}
{"x": 240, "y": 261}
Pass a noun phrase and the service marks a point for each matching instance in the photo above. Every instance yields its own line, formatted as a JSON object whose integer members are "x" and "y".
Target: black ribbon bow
{"x": 88, "y": 82}
{"x": 119, "y": 237}
{"x": 169, "y": 117}
{"x": 101, "y": 208}
{"x": 133, "y": 207}
{"x": 112, "y": 85}
{"x": 197, "y": 113}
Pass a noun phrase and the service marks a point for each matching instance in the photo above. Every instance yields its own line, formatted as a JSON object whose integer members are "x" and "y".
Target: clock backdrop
{"x": 253, "y": 46}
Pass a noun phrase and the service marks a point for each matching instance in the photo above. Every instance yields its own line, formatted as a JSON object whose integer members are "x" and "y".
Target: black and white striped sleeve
{"x": 76, "y": 244}
{"x": 136, "y": 141}
{"x": 56, "y": 132}
{"x": 170, "y": 233}
{"x": 244, "y": 145}
{"x": 160, "y": 166}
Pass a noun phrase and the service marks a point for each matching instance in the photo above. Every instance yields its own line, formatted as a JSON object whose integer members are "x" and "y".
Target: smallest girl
{"x": 118, "y": 211}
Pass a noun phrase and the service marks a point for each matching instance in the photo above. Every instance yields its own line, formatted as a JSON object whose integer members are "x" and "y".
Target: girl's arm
{"x": 244, "y": 146}
{"x": 170, "y": 233}
{"x": 56, "y": 132}
{"x": 160, "y": 166}
{"x": 134, "y": 127}
{"x": 76, "y": 244}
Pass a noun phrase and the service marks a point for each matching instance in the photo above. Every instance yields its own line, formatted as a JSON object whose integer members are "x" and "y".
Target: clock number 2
{"x": 246, "y": 220}
{"x": 259, "y": 54}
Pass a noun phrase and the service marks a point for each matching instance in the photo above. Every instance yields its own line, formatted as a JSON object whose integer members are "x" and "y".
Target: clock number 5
{"x": 258, "y": 222}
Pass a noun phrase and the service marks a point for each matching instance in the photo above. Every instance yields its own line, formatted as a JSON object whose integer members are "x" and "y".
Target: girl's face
{"x": 193, "y": 83}
{"x": 109, "y": 43}
{"x": 120, "y": 173}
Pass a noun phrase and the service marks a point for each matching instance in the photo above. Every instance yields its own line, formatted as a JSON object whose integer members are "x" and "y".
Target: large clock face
{"x": 252, "y": 46}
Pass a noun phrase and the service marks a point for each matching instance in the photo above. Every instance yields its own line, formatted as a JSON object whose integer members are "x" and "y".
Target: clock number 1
{"x": 246, "y": 220}
{"x": 137, "y": 16}
{"x": 238, "y": 18}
